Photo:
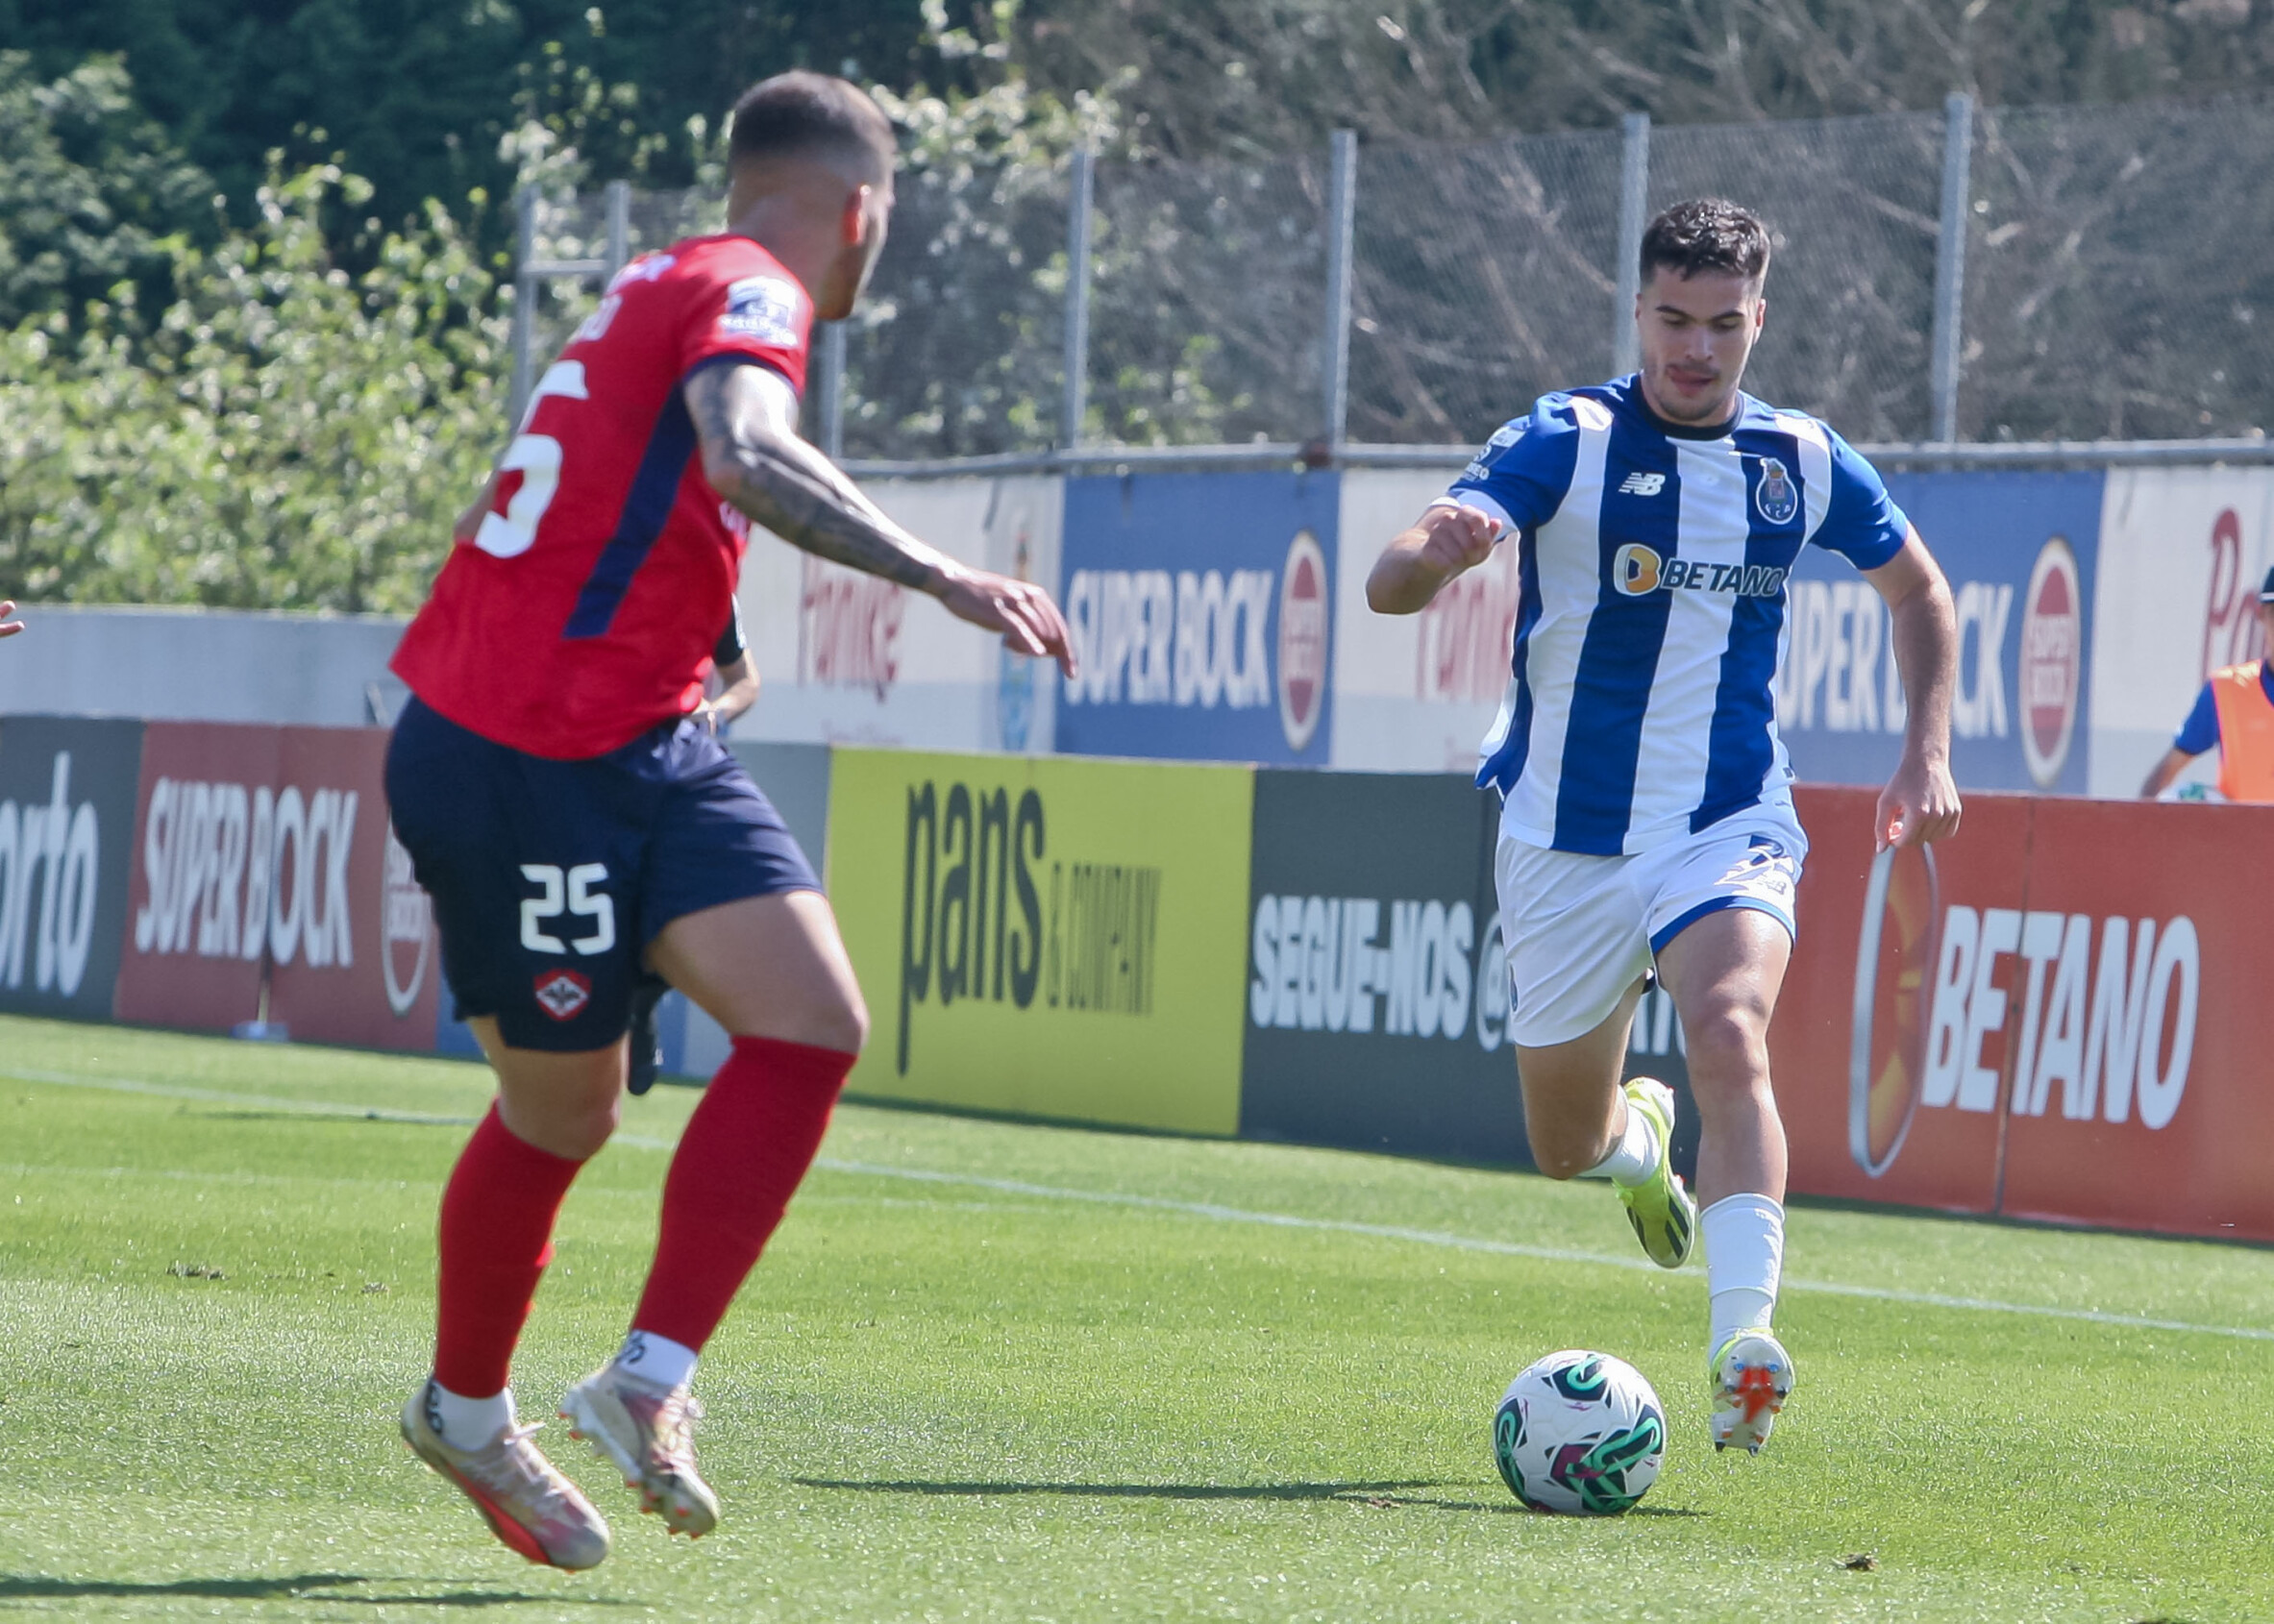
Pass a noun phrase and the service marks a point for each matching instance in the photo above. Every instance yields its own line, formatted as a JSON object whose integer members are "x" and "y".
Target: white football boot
{"x": 1752, "y": 1377}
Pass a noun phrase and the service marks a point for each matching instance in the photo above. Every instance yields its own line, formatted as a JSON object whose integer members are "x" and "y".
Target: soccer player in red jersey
{"x": 577, "y": 826}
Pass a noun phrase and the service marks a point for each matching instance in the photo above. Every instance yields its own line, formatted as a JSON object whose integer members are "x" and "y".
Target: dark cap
{"x": 2266, "y": 589}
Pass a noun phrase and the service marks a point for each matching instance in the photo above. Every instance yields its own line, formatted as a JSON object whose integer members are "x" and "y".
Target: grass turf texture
{"x": 943, "y": 1400}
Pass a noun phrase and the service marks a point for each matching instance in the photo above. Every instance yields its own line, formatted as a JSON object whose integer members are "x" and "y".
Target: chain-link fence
{"x": 2114, "y": 261}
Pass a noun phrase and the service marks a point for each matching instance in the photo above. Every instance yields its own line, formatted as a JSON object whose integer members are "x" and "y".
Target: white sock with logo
{"x": 656, "y": 1359}
{"x": 1745, "y": 1249}
{"x": 468, "y": 1423}
{"x": 1634, "y": 1158}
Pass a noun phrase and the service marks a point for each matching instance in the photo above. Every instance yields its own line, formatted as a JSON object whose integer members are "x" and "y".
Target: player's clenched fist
{"x": 1447, "y": 540}
{"x": 8, "y": 627}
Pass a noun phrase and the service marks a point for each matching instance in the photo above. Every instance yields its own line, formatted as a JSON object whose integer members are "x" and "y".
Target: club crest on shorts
{"x": 1776, "y": 496}
{"x": 562, "y": 992}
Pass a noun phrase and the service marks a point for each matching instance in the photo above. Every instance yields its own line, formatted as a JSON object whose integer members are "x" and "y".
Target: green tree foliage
{"x": 418, "y": 94}
{"x": 91, "y": 193}
{"x": 281, "y": 436}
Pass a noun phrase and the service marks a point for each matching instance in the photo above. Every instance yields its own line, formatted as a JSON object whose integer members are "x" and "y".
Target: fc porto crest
{"x": 1776, "y": 496}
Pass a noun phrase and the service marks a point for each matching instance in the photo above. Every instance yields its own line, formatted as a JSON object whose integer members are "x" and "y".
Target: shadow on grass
{"x": 1382, "y": 1495}
{"x": 1129, "y": 1490}
{"x": 294, "y": 1587}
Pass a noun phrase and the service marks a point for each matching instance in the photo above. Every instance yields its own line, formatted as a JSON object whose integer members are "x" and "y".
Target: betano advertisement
{"x": 267, "y": 885}
{"x": 1047, "y": 938}
{"x": 2054, "y": 1015}
{"x": 1201, "y": 606}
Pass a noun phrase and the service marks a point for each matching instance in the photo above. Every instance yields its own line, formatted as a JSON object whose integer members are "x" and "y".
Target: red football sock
{"x": 740, "y": 1159}
{"x": 497, "y": 1238}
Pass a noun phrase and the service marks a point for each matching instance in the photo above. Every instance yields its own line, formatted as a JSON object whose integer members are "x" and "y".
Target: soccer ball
{"x": 1580, "y": 1433}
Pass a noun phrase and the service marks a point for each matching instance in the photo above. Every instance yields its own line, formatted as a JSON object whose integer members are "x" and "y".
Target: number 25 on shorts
{"x": 568, "y": 893}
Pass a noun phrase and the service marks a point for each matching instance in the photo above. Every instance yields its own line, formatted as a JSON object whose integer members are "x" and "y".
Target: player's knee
{"x": 1727, "y": 1040}
{"x": 846, "y": 1023}
{"x": 1565, "y": 1150}
{"x": 1566, "y": 1158}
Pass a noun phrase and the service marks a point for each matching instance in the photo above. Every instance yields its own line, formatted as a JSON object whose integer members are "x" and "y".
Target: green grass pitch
{"x": 977, "y": 1394}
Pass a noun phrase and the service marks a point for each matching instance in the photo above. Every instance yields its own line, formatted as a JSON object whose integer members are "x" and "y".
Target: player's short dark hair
{"x": 796, "y": 113}
{"x": 1706, "y": 233}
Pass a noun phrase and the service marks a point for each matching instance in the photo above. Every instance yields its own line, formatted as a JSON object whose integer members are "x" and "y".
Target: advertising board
{"x": 267, "y": 886}
{"x": 847, "y": 658}
{"x": 1891, "y": 1036}
{"x": 1203, "y": 612}
{"x": 2021, "y": 550}
{"x": 1377, "y": 988}
{"x": 1046, "y": 937}
{"x": 2183, "y": 551}
{"x": 2053, "y": 1016}
{"x": 1414, "y": 693}
{"x": 2137, "y": 1084}
{"x": 67, "y": 844}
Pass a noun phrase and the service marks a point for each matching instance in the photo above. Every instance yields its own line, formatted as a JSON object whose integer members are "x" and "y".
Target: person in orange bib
{"x": 2235, "y": 712}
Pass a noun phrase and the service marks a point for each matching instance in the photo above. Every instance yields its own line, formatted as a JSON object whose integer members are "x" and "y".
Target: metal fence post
{"x": 1950, "y": 262}
{"x": 1081, "y": 176}
{"x": 619, "y": 249}
{"x": 525, "y": 301}
{"x": 1341, "y": 224}
{"x": 1634, "y": 215}
{"x": 832, "y": 390}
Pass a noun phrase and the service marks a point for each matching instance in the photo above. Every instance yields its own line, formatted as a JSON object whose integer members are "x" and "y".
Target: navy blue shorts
{"x": 549, "y": 878}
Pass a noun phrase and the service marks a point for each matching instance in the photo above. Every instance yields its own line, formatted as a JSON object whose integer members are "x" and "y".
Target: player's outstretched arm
{"x": 1920, "y": 801}
{"x": 1413, "y": 568}
{"x": 746, "y": 422}
{"x": 8, "y": 627}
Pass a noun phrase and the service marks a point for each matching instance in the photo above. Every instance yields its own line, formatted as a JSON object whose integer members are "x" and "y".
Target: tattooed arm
{"x": 746, "y": 422}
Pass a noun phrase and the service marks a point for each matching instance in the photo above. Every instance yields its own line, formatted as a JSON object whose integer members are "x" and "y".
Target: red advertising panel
{"x": 2137, "y": 1084}
{"x": 267, "y": 885}
{"x": 353, "y": 952}
{"x": 1888, "y": 1047}
{"x": 198, "y": 899}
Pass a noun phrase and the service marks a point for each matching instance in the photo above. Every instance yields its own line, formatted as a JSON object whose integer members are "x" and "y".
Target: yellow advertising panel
{"x": 1047, "y": 936}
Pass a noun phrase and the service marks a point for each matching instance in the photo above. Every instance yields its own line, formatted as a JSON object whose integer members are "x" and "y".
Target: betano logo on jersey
{"x": 1200, "y": 638}
{"x": 2107, "y": 1030}
{"x": 1636, "y": 571}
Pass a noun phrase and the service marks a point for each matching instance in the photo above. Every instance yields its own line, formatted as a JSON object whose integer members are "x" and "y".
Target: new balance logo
{"x": 1643, "y": 484}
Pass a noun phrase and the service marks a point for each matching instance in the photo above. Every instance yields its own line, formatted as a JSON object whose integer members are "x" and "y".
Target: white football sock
{"x": 656, "y": 1359}
{"x": 468, "y": 1423}
{"x": 1745, "y": 1249}
{"x": 1635, "y": 1157}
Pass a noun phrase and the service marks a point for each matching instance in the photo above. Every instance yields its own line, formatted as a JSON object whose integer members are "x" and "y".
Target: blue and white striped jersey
{"x": 1651, "y": 605}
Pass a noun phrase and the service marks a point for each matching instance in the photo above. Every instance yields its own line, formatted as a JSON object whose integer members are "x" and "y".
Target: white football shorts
{"x": 1581, "y": 929}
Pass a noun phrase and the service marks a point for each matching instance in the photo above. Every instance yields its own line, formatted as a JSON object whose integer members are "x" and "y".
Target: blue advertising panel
{"x": 1202, "y": 610}
{"x": 2020, "y": 550}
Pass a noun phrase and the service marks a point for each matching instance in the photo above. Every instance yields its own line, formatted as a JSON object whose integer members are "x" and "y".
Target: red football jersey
{"x": 587, "y": 608}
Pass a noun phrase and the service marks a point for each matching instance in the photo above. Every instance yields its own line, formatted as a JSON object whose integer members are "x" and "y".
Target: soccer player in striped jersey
{"x": 1647, "y": 824}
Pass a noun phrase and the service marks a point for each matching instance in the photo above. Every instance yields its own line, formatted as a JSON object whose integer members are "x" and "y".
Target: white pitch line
{"x": 1208, "y": 1210}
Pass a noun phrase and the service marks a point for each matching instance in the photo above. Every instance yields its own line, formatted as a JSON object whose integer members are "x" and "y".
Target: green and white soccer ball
{"x": 1580, "y": 1433}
